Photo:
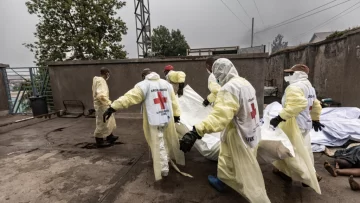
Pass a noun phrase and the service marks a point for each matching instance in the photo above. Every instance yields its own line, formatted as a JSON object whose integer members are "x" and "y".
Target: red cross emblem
{"x": 160, "y": 100}
{"x": 253, "y": 112}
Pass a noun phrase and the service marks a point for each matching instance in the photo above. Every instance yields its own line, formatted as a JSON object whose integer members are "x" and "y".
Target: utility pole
{"x": 252, "y": 32}
{"x": 143, "y": 28}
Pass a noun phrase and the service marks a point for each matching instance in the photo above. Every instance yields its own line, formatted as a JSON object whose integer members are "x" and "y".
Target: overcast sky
{"x": 205, "y": 23}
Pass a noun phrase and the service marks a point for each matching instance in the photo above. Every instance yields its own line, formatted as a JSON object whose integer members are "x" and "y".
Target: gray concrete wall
{"x": 4, "y": 105}
{"x": 329, "y": 69}
{"x": 72, "y": 80}
{"x": 334, "y": 67}
{"x": 351, "y": 86}
{"x": 280, "y": 61}
{"x": 274, "y": 71}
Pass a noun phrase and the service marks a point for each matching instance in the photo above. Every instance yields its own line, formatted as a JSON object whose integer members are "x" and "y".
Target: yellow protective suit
{"x": 237, "y": 163}
{"x": 315, "y": 116}
{"x": 214, "y": 88}
{"x": 136, "y": 96}
{"x": 316, "y": 110}
{"x": 101, "y": 104}
{"x": 301, "y": 167}
{"x": 174, "y": 78}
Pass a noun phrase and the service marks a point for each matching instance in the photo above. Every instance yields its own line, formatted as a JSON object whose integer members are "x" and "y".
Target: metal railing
{"x": 25, "y": 82}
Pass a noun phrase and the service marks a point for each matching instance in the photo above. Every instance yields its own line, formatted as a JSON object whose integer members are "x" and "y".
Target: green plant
{"x": 337, "y": 34}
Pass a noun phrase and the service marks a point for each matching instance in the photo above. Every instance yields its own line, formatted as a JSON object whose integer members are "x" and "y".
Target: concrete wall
{"x": 4, "y": 105}
{"x": 274, "y": 71}
{"x": 334, "y": 67}
{"x": 280, "y": 61}
{"x": 72, "y": 80}
{"x": 329, "y": 69}
{"x": 351, "y": 86}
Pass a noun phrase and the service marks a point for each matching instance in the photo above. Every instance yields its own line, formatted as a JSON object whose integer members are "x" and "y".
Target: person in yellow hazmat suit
{"x": 301, "y": 112}
{"x": 160, "y": 112}
{"x": 176, "y": 79}
{"x": 213, "y": 86}
{"x": 101, "y": 103}
{"x": 236, "y": 114}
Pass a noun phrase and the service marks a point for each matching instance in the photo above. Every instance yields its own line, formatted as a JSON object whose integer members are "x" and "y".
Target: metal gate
{"x": 25, "y": 82}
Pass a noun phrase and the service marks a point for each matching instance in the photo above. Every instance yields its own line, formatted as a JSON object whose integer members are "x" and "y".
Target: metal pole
{"x": 16, "y": 99}
{"x": 18, "y": 106}
{"x": 7, "y": 88}
{"x": 32, "y": 81}
{"x": 148, "y": 9}
{"x": 136, "y": 25}
{"x": 143, "y": 28}
{"x": 252, "y": 32}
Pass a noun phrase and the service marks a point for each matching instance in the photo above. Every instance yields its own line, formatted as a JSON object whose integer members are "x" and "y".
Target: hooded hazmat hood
{"x": 224, "y": 70}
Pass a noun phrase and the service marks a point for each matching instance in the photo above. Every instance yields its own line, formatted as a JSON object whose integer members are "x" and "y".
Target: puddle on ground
{"x": 58, "y": 130}
{"x": 86, "y": 145}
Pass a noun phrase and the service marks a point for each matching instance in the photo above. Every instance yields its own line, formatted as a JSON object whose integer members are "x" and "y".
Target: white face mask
{"x": 287, "y": 78}
{"x": 108, "y": 76}
{"x": 208, "y": 71}
{"x": 298, "y": 75}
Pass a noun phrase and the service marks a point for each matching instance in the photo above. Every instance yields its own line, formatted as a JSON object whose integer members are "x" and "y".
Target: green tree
{"x": 166, "y": 43}
{"x": 84, "y": 29}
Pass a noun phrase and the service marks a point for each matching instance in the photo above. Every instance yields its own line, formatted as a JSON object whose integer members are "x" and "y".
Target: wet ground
{"x": 56, "y": 161}
{"x": 8, "y": 119}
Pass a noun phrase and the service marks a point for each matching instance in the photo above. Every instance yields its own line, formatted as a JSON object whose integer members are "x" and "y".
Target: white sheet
{"x": 273, "y": 145}
{"x": 193, "y": 112}
{"x": 341, "y": 125}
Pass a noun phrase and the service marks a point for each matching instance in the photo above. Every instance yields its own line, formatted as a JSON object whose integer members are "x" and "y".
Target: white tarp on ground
{"x": 341, "y": 125}
{"x": 273, "y": 145}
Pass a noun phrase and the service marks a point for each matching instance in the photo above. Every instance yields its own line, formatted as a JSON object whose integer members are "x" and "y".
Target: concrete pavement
{"x": 55, "y": 161}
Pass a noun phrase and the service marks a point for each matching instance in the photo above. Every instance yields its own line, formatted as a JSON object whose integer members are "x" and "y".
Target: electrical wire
{"x": 234, "y": 14}
{"x": 273, "y": 27}
{"x": 302, "y": 14}
{"x": 238, "y": 17}
{"x": 243, "y": 8}
{"x": 339, "y": 15}
{"x": 258, "y": 12}
{"x": 246, "y": 12}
